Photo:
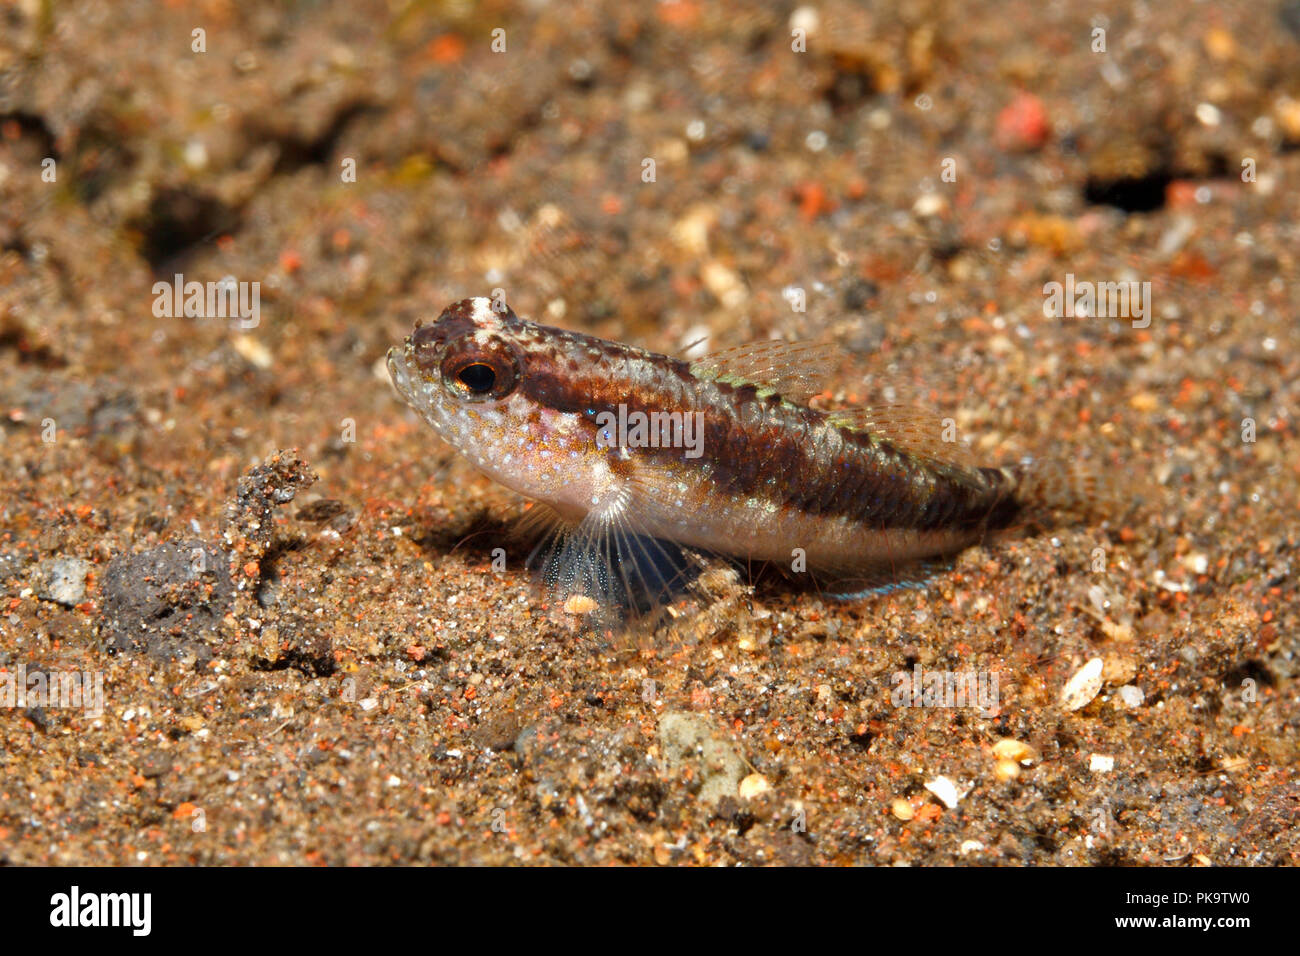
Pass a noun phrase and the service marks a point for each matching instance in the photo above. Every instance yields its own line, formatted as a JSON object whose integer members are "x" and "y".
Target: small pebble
{"x": 63, "y": 580}
{"x": 752, "y": 786}
{"x": 1117, "y": 632}
{"x": 253, "y": 351}
{"x": 931, "y": 204}
{"x": 806, "y": 19}
{"x": 1100, "y": 763}
{"x": 1117, "y": 669}
{"x": 1022, "y": 126}
{"x": 1132, "y": 695}
{"x": 1286, "y": 112}
{"x": 902, "y": 809}
{"x": 1015, "y": 751}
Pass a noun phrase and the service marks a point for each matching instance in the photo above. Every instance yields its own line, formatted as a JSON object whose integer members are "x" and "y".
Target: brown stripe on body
{"x": 798, "y": 459}
{"x": 757, "y": 446}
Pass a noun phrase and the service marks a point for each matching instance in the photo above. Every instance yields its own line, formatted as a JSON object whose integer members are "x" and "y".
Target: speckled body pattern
{"x": 775, "y": 475}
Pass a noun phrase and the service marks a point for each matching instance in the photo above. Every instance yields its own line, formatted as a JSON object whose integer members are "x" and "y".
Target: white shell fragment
{"x": 1080, "y": 689}
{"x": 1132, "y": 695}
{"x": 753, "y": 786}
{"x": 946, "y": 791}
{"x": 1014, "y": 750}
{"x": 1100, "y": 763}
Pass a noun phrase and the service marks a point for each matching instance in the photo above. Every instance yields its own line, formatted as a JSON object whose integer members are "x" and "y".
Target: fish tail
{"x": 1078, "y": 486}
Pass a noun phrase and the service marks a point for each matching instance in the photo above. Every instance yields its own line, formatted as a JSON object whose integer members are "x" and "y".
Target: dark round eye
{"x": 480, "y": 371}
{"x": 479, "y": 378}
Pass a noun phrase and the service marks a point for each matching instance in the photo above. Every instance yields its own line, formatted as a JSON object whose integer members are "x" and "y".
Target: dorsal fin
{"x": 919, "y": 431}
{"x": 794, "y": 370}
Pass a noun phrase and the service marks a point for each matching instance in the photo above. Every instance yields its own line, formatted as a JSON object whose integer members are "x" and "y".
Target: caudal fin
{"x": 1079, "y": 486}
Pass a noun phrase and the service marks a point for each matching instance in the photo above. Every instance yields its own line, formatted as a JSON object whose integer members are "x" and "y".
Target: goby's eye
{"x": 480, "y": 371}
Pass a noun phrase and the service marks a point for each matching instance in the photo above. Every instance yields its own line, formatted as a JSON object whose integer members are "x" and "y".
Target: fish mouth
{"x": 420, "y": 394}
{"x": 406, "y": 377}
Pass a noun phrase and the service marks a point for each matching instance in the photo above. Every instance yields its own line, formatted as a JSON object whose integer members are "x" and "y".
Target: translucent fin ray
{"x": 794, "y": 370}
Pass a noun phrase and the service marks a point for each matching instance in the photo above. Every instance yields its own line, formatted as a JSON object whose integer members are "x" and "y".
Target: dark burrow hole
{"x": 1149, "y": 192}
{"x": 1143, "y": 194}
{"x": 180, "y": 218}
{"x": 176, "y": 221}
{"x": 306, "y": 663}
{"x": 296, "y": 152}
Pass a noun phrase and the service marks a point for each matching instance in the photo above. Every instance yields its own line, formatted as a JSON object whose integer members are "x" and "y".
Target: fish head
{"x": 482, "y": 378}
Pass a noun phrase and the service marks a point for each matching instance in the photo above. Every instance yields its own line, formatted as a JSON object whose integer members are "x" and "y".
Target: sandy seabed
{"x": 307, "y": 657}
